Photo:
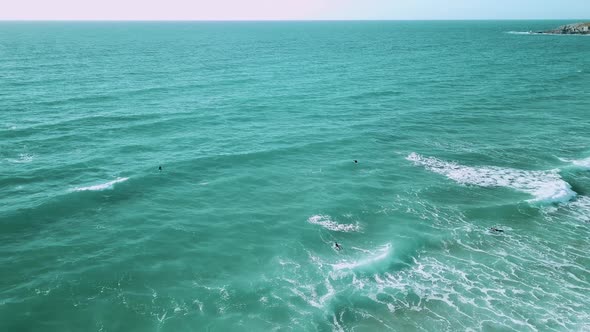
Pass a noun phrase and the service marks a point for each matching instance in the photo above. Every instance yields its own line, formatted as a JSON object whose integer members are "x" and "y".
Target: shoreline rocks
{"x": 570, "y": 29}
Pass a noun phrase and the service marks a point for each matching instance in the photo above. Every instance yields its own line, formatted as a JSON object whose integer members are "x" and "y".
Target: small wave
{"x": 545, "y": 186}
{"x": 101, "y": 186}
{"x": 580, "y": 163}
{"x": 373, "y": 257}
{"x": 521, "y": 32}
{"x": 331, "y": 225}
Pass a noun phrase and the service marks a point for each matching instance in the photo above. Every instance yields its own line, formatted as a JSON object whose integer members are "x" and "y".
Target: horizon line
{"x": 287, "y": 20}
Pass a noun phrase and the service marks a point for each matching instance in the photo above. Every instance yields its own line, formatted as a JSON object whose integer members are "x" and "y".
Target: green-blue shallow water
{"x": 457, "y": 127}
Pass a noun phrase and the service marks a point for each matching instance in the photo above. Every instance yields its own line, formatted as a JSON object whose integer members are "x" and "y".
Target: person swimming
{"x": 159, "y": 168}
{"x": 356, "y": 161}
{"x": 497, "y": 230}
{"x": 337, "y": 246}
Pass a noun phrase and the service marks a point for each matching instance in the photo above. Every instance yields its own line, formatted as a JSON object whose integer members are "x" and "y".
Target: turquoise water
{"x": 457, "y": 127}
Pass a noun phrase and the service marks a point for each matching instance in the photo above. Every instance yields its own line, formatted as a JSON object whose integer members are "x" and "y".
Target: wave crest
{"x": 101, "y": 186}
{"x": 582, "y": 163}
{"x": 545, "y": 186}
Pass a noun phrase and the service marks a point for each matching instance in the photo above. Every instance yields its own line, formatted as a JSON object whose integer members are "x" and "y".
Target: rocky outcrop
{"x": 571, "y": 29}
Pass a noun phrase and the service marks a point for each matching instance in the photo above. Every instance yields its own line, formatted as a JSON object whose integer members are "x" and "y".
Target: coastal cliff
{"x": 571, "y": 29}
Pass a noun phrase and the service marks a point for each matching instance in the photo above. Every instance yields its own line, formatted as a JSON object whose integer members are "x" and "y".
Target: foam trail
{"x": 545, "y": 186}
{"x": 101, "y": 186}
{"x": 377, "y": 256}
{"x": 331, "y": 225}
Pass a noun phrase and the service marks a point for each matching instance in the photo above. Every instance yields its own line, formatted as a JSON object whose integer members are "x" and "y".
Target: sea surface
{"x": 457, "y": 127}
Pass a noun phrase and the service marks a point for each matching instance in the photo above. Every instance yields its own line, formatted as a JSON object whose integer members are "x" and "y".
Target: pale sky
{"x": 291, "y": 9}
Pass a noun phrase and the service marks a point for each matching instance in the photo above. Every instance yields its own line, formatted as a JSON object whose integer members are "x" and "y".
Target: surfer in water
{"x": 160, "y": 168}
{"x": 337, "y": 246}
{"x": 496, "y": 230}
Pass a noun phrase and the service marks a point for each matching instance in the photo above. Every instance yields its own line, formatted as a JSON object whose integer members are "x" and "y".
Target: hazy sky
{"x": 292, "y": 9}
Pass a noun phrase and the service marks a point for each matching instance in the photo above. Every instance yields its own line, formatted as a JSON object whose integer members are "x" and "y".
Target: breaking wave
{"x": 545, "y": 186}
{"x": 373, "y": 257}
{"x": 579, "y": 163}
{"x": 101, "y": 186}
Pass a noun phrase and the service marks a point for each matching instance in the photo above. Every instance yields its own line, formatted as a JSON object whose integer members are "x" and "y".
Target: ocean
{"x": 457, "y": 127}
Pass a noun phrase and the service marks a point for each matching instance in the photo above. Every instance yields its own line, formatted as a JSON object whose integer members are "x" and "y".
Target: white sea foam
{"x": 580, "y": 208}
{"x": 327, "y": 223}
{"x": 545, "y": 186}
{"x": 448, "y": 280}
{"x": 309, "y": 293}
{"x": 582, "y": 163}
{"x": 23, "y": 158}
{"x": 101, "y": 186}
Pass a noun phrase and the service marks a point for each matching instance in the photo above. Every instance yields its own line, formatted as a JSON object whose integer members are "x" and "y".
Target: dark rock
{"x": 571, "y": 29}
